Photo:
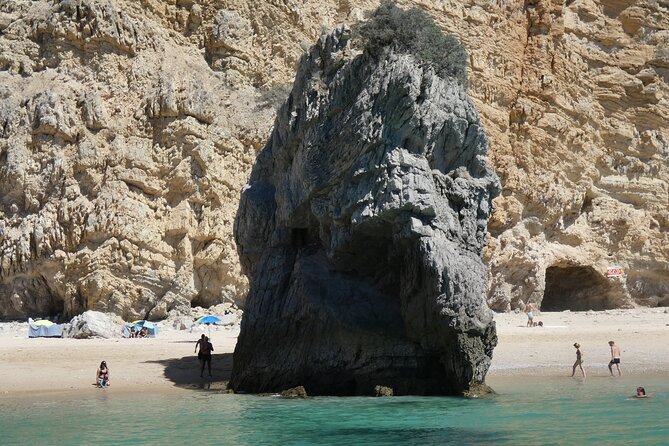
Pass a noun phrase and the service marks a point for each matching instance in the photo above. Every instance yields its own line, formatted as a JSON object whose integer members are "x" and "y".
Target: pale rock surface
{"x": 121, "y": 159}
{"x": 181, "y": 319}
{"x": 94, "y": 324}
{"x": 128, "y": 128}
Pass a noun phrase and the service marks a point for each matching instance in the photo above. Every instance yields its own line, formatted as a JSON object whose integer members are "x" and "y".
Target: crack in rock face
{"x": 361, "y": 231}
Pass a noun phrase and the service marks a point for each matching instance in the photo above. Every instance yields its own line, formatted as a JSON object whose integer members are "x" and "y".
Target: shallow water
{"x": 525, "y": 411}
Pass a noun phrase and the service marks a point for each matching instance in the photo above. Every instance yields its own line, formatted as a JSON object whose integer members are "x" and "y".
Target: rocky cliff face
{"x": 574, "y": 95}
{"x": 361, "y": 230}
{"x": 122, "y": 154}
{"x": 102, "y": 100}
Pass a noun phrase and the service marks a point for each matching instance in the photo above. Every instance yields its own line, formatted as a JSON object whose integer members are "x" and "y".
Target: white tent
{"x": 43, "y": 329}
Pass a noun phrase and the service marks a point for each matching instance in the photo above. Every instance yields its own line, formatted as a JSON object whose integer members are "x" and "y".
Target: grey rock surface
{"x": 94, "y": 324}
{"x": 361, "y": 230}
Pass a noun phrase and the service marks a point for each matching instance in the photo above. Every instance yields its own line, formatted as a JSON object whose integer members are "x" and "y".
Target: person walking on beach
{"x": 579, "y": 360}
{"x": 102, "y": 375}
{"x": 200, "y": 342}
{"x": 206, "y": 348}
{"x": 615, "y": 358}
{"x": 529, "y": 309}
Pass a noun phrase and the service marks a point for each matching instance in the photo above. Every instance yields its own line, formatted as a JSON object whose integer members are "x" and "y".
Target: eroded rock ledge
{"x": 361, "y": 230}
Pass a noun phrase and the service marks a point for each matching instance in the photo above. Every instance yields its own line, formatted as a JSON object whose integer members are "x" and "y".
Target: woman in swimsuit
{"x": 102, "y": 377}
{"x": 529, "y": 309}
{"x": 579, "y": 360}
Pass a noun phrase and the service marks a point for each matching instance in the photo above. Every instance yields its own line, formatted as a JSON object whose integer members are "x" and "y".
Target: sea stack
{"x": 361, "y": 231}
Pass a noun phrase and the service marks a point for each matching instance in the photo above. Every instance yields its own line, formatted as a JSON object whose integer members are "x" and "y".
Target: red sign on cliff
{"x": 615, "y": 271}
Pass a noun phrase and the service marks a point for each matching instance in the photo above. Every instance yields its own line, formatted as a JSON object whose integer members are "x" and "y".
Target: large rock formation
{"x": 361, "y": 230}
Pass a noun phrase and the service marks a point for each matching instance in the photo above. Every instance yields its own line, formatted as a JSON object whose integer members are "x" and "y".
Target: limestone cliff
{"x": 574, "y": 95}
{"x": 361, "y": 230}
{"x": 103, "y": 103}
{"x": 121, "y": 159}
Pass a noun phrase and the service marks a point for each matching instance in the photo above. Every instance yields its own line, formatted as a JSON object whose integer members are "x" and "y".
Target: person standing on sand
{"x": 615, "y": 358}
{"x": 529, "y": 309}
{"x": 579, "y": 360}
{"x": 200, "y": 342}
{"x": 206, "y": 348}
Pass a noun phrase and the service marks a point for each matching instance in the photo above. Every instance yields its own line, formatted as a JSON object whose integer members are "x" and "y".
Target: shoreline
{"x": 641, "y": 334}
{"x": 61, "y": 367}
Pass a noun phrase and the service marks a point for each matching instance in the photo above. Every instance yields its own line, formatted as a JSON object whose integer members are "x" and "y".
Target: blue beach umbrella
{"x": 151, "y": 328}
{"x": 209, "y": 319}
{"x": 143, "y": 324}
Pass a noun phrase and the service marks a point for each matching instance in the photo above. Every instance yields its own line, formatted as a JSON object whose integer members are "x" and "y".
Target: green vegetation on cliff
{"x": 413, "y": 32}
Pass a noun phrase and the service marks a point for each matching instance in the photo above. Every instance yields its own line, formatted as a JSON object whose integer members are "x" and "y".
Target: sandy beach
{"x": 640, "y": 333}
{"x": 168, "y": 364}
{"x": 61, "y": 365}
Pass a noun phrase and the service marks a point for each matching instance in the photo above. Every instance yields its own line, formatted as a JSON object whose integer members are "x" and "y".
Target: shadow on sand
{"x": 185, "y": 372}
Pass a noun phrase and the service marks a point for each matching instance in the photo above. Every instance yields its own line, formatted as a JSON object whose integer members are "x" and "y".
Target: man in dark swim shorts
{"x": 205, "y": 349}
{"x": 200, "y": 342}
{"x": 615, "y": 358}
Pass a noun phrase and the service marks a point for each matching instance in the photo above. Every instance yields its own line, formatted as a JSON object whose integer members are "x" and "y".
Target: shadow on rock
{"x": 185, "y": 372}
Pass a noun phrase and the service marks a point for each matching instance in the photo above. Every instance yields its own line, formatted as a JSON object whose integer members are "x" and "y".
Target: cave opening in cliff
{"x": 373, "y": 257}
{"x": 577, "y": 288}
{"x": 35, "y": 296}
{"x": 301, "y": 237}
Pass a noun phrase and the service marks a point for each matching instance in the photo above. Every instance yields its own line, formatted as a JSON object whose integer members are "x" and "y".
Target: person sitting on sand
{"x": 133, "y": 332}
{"x": 102, "y": 376}
{"x": 641, "y": 392}
{"x": 143, "y": 332}
{"x": 529, "y": 309}
{"x": 615, "y": 358}
{"x": 579, "y": 360}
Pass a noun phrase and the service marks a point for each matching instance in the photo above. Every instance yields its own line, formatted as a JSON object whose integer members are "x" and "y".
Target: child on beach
{"x": 579, "y": 360}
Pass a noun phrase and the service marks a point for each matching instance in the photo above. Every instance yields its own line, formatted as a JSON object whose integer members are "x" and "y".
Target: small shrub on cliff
{"x": 413, "y": 32}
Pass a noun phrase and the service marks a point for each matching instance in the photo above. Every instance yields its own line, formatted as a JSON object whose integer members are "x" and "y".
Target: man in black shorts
{"x": 615, "y": 358}
{"x": 200, "y": 342}
{"x": 206, "y": 349}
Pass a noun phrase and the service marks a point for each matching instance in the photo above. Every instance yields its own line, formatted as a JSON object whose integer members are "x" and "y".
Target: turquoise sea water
{"x": 532, "y": 411}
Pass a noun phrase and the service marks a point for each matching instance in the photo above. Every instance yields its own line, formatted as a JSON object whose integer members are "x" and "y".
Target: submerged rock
{"x": 361, "y": 231}
{"x": 295, "y": 392}
{"x": 383, "y": 391}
